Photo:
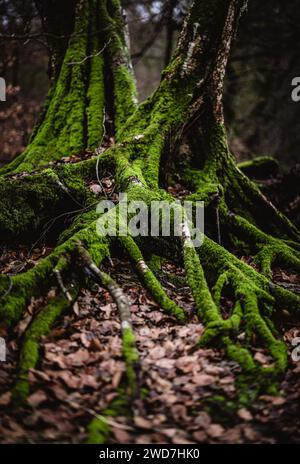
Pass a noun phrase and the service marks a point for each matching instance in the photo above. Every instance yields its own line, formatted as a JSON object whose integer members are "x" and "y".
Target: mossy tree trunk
{"x": 93, "y": 100}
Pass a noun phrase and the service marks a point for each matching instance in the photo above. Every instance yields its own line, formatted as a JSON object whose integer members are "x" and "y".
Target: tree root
{"x": 36, "y": 280}
{"x": 29, "y": 355}
{"x": 150, "y": 281}
{"x": 269, "y": 249}
{"x": 130, "y": 352}
{"x": 251, "y": 311}
{"x": 99, "y": 429}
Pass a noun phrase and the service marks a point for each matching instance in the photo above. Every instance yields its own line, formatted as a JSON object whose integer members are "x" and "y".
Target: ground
{"x": 186, "y": 395}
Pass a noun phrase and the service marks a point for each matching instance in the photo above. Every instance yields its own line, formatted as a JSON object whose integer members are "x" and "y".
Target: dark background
{"x": 261, "y": 117}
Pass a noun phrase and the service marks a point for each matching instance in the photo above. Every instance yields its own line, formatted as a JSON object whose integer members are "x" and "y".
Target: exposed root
{"x": 29, "y": 356}
{"x": 64, "y": 290}
{"x": 129, "y": 348}
{"x": 250, "y": 316}
{"x": 264, "y": 213}
{"x": 268, "y": 249}
{"x": 35, "y": 282}
{"x": 99, "y": 428}
{"x": 190, "y": 92}
{"x": 150, "y": 281}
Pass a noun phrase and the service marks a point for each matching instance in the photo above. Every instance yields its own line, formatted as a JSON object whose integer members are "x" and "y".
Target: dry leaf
{"x": 37, "y": 398}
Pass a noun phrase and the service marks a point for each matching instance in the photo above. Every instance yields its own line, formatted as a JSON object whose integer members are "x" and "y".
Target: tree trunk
{"x": 92, "y": 109}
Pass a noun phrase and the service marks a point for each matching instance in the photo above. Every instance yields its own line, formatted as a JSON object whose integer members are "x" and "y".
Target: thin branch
{"x": 90, "y": 56}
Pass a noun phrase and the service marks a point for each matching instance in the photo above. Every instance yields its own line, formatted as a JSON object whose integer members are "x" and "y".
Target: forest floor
{"x": 81, "y": 369}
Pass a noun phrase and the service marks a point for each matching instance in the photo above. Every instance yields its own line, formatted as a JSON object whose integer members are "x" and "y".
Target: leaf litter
{"x": 81, "y": 368}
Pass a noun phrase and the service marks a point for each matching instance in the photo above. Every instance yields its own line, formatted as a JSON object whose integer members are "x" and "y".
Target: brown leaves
{"x": 5, "y": 399}
{"x": 37, "y": 398}
{"x": 203, "y": 379}
{"x": 78, "y": 358}
{"x": 143, "y": 423}
{"x": 244, "y": 414}
{"x": 215, "y": 431}
{"x": 13, "y": 262}
{"x": 81, "y": 370}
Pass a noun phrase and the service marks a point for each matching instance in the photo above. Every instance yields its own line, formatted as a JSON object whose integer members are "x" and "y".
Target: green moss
{"x": 32, "y": 200}
{"x": 10, "y": 167}
{"x": 73, "y": 119}
{"x": 285, "y": 299}
{"x": 99, "y": 430}
{"x": 155, "y": 263}
{"x": 131, "y": 358}
{"x": 40, "y": 326}
{"x": 95, "y": 112}
{"x": 25, "y": 286}
{"x": 260, "y": 167}
{"x": 241, "y": 355}
{"x": 150, "y": 281}
{"x": 207, "y": 310}
{"x": 118, "y": 65}
{"x": 125, "y": 95}
{"x": 35, "y": 281}
{"x": 26, "y": 203}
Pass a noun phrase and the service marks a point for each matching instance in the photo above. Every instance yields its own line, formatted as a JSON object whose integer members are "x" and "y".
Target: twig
{"x": 62, "y": 287}
{"x": 9, "y": 288}
{"x": 89, "y": 56}
{"x": 130, "y": 352}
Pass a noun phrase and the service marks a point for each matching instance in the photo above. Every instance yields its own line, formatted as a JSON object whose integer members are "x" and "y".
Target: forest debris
{"x": 215, "y": 430}
{"x": 142, "y": 422}
{"x": 244, "y": 414}
{"x": 37, "y": 398}
{"x": 173, "y": 393}
{"x": 5, "y": 399}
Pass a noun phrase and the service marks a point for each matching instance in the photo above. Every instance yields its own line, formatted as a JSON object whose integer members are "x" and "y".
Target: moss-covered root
{"x": 130, "y": 352}
{"x": 268, "y": 249}
{"x": 16, "y": 291}
{"x": 29, "y": 356}
{"x": 263, "y": 212}
{"x": 99, "y": 429}
{"x": 150, "y": 281}
{"x": 260, "y": 167}
{"x": 252, "y": 307}
{"x": 207, "y": 310}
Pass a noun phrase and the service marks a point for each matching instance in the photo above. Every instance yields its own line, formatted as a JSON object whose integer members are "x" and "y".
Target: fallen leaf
{"x": 215, "y": 430}
{"x": 37, "y": 398}
{"x": 244, "y": 414}
{"x": 5, "y": 399}
{"x": 142, "y": 422}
